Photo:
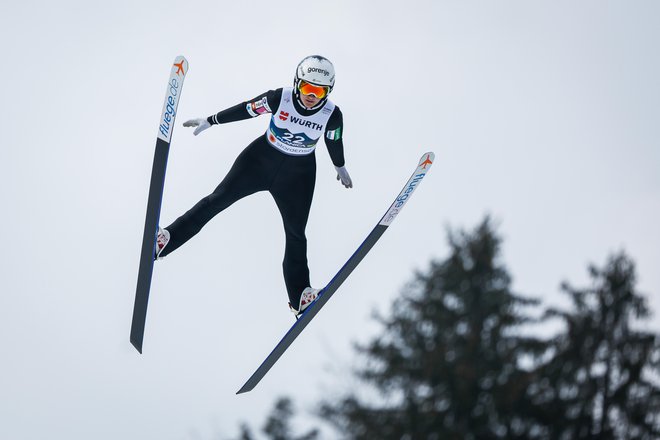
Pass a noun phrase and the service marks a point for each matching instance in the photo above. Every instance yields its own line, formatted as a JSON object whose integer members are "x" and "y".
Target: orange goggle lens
{"x": 310, "y": 89}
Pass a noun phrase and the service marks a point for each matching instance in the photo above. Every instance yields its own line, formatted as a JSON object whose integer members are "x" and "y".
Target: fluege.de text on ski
{"x": 169, "y": 111}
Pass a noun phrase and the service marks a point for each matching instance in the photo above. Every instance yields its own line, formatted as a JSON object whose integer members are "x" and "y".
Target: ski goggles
{"x": 310, "y": 89}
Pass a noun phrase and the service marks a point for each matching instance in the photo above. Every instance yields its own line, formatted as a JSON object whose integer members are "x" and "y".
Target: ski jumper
{"x": 282, "y": 162}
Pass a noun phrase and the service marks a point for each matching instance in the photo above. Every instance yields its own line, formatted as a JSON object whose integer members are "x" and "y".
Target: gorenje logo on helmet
{"x": 316, "y": 69}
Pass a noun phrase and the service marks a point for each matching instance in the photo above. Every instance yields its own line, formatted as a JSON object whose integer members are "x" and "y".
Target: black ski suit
{"x": 262, "y": 167}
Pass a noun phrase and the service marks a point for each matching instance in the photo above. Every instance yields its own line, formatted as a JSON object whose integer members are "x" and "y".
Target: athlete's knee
{"x": 215, "y": 201}
{"x": 296, "y": 238}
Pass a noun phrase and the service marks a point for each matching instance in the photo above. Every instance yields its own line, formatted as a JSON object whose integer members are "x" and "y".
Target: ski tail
{"x": 164, "y": 137}
{"x": 423, "y": 167}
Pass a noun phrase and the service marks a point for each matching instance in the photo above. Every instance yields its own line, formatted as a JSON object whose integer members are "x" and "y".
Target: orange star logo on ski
{"x": 426, "y": 162}
{"x": 180, "y": 67}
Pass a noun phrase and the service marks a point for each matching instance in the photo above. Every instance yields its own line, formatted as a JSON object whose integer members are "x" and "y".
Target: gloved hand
{"x": 201, "y": 124}
{"x": 342, "y": 175}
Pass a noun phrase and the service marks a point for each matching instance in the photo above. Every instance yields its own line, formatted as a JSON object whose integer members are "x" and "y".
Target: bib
{"x": 293, "y": 133}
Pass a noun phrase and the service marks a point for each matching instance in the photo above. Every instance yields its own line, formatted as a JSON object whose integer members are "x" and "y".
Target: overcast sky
{"x": 544, "y": 114}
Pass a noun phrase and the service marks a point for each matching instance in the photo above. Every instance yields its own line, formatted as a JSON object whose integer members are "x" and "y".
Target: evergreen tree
{"x": 448, "y": 363}
{"x": 602, "y": 379}
{"x": 278, "y": 424}
{"x": 448, "y": 358}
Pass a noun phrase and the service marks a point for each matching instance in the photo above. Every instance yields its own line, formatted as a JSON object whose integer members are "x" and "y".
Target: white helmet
{"x": 316, "y": 70}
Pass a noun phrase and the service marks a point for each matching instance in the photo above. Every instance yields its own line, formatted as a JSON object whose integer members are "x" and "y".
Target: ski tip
{"x": 180, "y": 66}
{"x": 429, "y": 155}
{"x": 426, "y": 160}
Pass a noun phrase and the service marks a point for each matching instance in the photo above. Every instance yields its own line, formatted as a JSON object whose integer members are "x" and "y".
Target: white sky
{"x": 544, "y": 114}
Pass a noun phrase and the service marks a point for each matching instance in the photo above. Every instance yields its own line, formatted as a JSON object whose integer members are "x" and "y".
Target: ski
{"x": 168, "y": 115}
{"x": 422, "y": 168}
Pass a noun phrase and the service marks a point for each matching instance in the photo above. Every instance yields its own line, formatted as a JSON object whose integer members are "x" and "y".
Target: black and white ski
{"x": 172, "y": 96}
{"x": 422, "y": 168}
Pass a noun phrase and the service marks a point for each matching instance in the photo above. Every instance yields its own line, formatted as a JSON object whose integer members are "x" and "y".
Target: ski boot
{"x": 162, "y": 238}
{"x": 309, "y": 295}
